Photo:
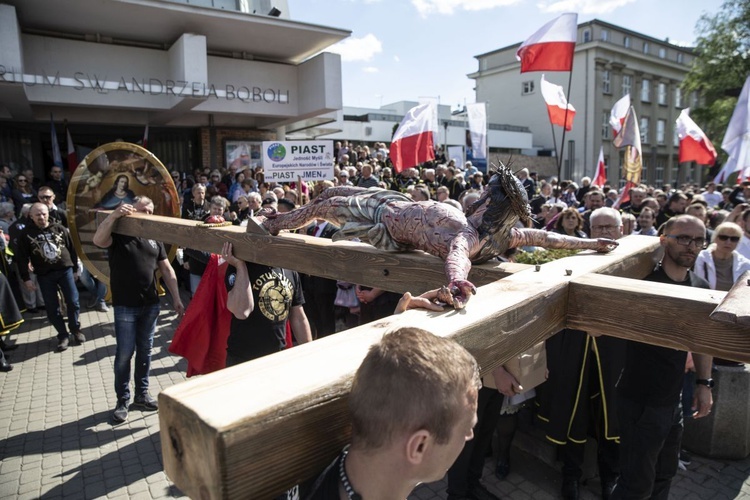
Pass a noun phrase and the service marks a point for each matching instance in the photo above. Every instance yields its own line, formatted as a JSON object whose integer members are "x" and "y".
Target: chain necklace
{"x": 350, "y": 493}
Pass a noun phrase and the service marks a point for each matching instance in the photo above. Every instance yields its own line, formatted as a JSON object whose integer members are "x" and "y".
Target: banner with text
{"x": 284, "y": 161}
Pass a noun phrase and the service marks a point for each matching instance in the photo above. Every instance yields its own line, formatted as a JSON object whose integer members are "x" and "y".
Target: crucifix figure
{"x": 392, "y": 221}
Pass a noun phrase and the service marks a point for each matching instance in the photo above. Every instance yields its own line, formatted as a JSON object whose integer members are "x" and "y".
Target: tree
{"x": 721, "y": 66}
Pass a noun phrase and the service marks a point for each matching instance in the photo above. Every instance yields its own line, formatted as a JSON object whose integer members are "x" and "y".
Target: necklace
{"x": 350, "y": 493}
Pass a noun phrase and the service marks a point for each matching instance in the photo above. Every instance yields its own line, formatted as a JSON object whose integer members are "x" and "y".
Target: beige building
{"x": 204, "y": 75}
{"x": 609, "y": 62}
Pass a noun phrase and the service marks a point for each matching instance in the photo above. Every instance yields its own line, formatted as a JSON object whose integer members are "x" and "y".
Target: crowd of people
{"x": 704, "y": 230}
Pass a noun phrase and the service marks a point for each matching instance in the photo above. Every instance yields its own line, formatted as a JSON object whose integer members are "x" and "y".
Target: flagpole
{"x": 554, "y": 145}
{"x": 562, "y": 143}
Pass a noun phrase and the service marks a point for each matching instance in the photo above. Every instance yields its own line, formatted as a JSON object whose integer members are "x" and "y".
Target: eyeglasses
{"x": 608, "y": 228}
{"x": 725, "y": 237}
{"x": 48, "y": 197}
{"x": 686, "y": 241}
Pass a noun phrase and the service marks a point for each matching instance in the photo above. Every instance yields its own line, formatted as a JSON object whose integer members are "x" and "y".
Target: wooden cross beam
{"x": 254, "y": 430}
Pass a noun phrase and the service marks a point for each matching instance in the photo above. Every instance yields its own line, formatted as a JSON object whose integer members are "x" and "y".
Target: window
{"x": 626, "y": 42}
{"x": 662, "y": 94}
{"x": 606, "y": 76}
{"x": 644, "y": 130}
{"x": 661, "y": 130}
{"x": 627, "y": 82}
{"x": 662, "y": 52}
{"x": 680, "y": 57}
{"x": 659, "y": 180}
{"x": 527, "y": 87}
{"x": 605, "y": 126}
{"x": 675, "y": 138}
{"x": 605, "y": 36}
{"x": 646, "y": 48}
{"x": 646, "y": 90}
{"x": 678, "y": 97}
{"x": 586, "y": 36}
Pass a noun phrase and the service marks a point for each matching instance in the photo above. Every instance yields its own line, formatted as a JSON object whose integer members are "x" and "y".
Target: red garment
{"x": 202, "y": 335}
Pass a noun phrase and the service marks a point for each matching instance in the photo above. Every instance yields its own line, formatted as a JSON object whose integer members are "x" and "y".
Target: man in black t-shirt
{"x": 649, "y": 408}
{"x": 133, "y": 262}
{"x": 261, "y": 300}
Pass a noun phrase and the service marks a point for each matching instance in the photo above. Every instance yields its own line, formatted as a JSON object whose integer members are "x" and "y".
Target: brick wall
{"x": 215, "y": 158}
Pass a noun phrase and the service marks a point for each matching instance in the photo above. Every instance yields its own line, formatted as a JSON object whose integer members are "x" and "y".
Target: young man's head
{"x": 415, "y": 396}
{"x": 683, "y": 237}
{"x": 46, "y": 196}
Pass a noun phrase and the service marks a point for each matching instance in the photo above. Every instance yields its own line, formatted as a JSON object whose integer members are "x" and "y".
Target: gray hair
{"x": 25, "y": 208}
{"x": 599, "y": 212}
{"x": 6, "y": 208}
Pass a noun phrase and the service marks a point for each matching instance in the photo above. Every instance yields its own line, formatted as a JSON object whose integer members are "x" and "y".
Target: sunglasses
{"x": 45, "y": 197}
{"x": 21, "y": 180}
{"x": 725, "y": 237}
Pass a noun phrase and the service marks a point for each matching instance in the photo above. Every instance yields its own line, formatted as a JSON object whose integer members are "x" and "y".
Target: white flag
{"x": 477, "y": 114}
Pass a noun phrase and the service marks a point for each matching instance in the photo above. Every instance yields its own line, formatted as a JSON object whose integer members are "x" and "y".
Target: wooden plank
{"x": 359, "y": 263}
{"x": 294, "y": 418}
{"x": 661, "y": 314}
{"x": 735, "y": 308}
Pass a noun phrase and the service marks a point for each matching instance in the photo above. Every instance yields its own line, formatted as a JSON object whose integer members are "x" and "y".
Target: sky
{"x": 409, "y": 50}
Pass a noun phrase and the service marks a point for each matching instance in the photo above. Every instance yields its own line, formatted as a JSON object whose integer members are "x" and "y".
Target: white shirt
{"x": 713, "y": 199}
{"x": 744, "y": 247}
{"x": 320, "y": 228}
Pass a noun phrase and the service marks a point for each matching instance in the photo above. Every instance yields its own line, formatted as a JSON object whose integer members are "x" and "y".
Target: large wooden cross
{"x": 254, "y": 430}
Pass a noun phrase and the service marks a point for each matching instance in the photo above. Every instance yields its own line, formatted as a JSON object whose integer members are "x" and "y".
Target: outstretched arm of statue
{"x": 523, "y": 237}
{"x": 457, "y": 267}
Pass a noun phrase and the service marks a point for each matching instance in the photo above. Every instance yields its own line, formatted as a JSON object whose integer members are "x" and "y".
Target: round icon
{"x": 276, "y": 152}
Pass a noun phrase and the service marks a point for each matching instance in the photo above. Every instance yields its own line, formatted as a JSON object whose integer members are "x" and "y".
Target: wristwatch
{"x": 708, "y": 382}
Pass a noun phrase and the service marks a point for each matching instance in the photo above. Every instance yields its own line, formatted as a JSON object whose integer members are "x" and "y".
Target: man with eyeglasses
{"x": 583, "y": 371}
{"x": 649, "y": 390}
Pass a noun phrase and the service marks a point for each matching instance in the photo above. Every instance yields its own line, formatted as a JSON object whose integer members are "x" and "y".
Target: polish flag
{"x": 413, "y": 141}
{"x": 600, "y": 177}
{"x": 617, "y": 115}
{"x": 694, "y": 145}
{"x": 561, "y": 112}
{"x": 145, "y": 138}
{"x": 72, "y": 156}
{"x": 551, "y": 48}
{"x": 736, "y": 141}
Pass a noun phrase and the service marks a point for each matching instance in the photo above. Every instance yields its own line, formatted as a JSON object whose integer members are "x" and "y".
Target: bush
{"x": 543, "y": 256}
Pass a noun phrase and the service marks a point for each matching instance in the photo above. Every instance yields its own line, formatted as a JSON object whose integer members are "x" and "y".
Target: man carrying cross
{"x": 649, "y": 406}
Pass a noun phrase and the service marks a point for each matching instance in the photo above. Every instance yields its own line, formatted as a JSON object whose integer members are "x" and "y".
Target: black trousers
{"x": 650, "y": 438}
{"x": 466, "y": 471}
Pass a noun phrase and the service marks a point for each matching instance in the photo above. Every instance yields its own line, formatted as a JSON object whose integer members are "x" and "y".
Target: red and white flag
{"x": 617, "y": 115}
{"x": 551, "y": 48}
{"x": 694, "y": 145}
{"x": 600, "y": 176}
{"x": 561, "y": 112}
{"x": 72, "y": 156}
{"x": 413, "y": 141}
{"x": 630, "y": 138}
{"x": 145, "y": 138}
{"x": 736, "y": 141}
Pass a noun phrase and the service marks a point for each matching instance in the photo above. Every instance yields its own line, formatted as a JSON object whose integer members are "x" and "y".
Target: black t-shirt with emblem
{"x": 275, "y": 292}
{"x": 133, "y": 263}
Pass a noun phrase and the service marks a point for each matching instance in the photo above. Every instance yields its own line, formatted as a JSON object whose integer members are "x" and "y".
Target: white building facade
{"x": 198, "y": 73}
{"x": 609, "y": 62}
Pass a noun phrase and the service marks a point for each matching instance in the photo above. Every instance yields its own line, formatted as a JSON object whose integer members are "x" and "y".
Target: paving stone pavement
{"x": 57, "y": 440}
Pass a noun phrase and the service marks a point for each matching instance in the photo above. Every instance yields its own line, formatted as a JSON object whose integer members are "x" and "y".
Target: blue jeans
{"x": 48, "y": 284}
{"x": 95, "y": 287}
{"x": 650, "y": 439}
{"x": 134, "y": 331}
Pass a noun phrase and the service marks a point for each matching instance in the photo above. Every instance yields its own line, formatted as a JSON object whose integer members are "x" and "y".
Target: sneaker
{"x": 121, "y": 412}
{"x": 63, "y": 344}
{"x": 79, "y": 337}
{"x": 102, "y": 307}
{"x": 146, "y": 403}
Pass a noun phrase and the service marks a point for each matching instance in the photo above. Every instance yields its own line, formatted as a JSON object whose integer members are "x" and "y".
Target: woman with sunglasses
{"x": 721, "y": 264}
{"x": 22, "y": 193}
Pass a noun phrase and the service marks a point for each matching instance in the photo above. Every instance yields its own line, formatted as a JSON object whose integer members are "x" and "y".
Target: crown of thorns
{"x": 512, "y": 190}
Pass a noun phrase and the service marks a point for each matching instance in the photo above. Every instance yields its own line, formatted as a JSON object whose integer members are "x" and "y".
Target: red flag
{"x": 551, "y": 48}
{"x": 600, "y": 177}
{"x": 694, "y": 145}
{"x": 617, "y": 115}
{"x": 625, "y": 195}
{"x": 561, "y": 112}
{"x": 72, "y": 156}
{"x": 145, "y": 138}
{"x": 413, "y": 142}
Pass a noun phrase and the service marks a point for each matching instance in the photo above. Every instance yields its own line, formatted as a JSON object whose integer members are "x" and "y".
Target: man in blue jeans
{"x": 47, "y": 246}
{"x": 133, "y": 262}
